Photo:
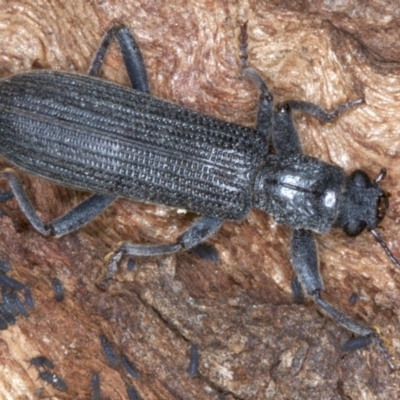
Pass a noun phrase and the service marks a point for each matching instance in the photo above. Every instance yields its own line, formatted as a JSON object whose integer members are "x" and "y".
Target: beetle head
{"x": 362, "y": 204}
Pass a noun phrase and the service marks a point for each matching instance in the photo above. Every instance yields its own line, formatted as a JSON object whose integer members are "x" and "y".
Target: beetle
{"x": 28, "y": 297}
{"x": 54, "y": 380}
{"x": 132, "y": 393}
{"x": 128, "y": 367}
{"x": 58, "y": 289}
{"x": 41, "y": 362}
{"x": 95, "y": 386}
{"x": 90, "y": 134}
{"x": 4, "y": 267}
{"x": 13, "y": 303}
{"x": 6, "y": 315}
{"x": 353, "y": 298}
{"x": 10, "y": 282}
{"x": 113, "y": 359}
{"x": 193, "y": 368}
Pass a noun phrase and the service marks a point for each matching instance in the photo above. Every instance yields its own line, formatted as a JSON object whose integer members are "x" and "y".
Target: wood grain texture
{"x": 253, "y": 342}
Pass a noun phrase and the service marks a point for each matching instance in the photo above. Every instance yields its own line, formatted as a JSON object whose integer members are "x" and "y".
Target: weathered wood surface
{"x": 254, "y": 343}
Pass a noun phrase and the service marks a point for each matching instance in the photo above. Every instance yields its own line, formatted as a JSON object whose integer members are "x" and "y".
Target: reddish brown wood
{"x": 253, "y": 342}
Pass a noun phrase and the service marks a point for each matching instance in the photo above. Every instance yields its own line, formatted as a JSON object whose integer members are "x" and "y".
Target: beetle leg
{"x": 265, "y": 102}
{"x": 79, "y": 215}
{"x": 72, "y": 220}
{"x": 319, "y": 113}
{"x": 205, "y": 252}
{"x": 274, "y": 125}
{"x": 304, "y": 260}
{"x": 203, "y": 228}
{"x": 356, "y": 343}
{"x": 131, "y": 55}
{"x": 285, "y": 138}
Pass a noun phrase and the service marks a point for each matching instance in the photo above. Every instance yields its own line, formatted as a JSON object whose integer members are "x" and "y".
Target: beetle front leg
{"x": 285, "y": 138}
{"x": 319, "y": 113}
{"x": 203, "y": 228}
{"x": 304, "y": 260}
{"x": 305, "y": 263}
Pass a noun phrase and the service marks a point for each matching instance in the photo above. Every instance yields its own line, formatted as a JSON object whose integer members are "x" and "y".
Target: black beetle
{"x": 54, "y": 380}
{"x": 41, "y": 362}
{"x": 58, "y": 289}
{"x": 110, "y": 355}
{"x": 86, "y": 133}
{"x": 95, "y": 387}
{"x": 132, "y": 393}
{"x": 128, "y": 367}
{"x": 193, "y": 368}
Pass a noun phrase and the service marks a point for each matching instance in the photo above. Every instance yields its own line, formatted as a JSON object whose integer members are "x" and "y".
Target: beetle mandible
{"x": 87, "y": 133}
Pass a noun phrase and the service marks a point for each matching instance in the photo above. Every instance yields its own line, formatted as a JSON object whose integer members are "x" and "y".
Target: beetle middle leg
{"x": 276, "y": 124}
{"x": 203, "y": 228}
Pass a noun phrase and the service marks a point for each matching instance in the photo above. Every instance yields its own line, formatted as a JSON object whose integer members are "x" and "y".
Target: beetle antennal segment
{"x": 381, "y": 176}
{"x": 383, "y": 351}
{"x": 379, "y": 239}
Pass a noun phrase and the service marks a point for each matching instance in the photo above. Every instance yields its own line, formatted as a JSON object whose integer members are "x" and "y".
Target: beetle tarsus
{"x": 319, "y": 113}
{"x": 202, "y": 229}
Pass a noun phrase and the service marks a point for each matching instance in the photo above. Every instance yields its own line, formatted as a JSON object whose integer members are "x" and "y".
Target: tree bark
{"x": 254, "y": 343}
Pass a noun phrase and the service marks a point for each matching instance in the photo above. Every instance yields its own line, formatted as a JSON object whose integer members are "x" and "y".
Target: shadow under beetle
{"x": 90, "y": 134}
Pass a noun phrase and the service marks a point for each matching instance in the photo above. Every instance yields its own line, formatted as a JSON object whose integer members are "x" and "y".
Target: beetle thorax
{"x": 299, "y": 191}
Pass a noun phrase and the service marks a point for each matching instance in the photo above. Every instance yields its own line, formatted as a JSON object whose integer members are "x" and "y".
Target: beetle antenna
{"x": 383, "y": 350}
{"x": 381, "y": 176}
{"x": 379, "y": 239}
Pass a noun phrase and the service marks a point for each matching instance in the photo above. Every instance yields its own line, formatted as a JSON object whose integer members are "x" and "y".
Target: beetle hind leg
{"x": 69, "y": 222}
{"x": 205, "y": 252}
{"x": 202, "y": 229}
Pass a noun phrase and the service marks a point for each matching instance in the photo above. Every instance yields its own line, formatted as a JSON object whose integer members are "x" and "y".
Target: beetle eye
{"x": 354, "y": 228}
{"x": 284, "y": 108}
{"x": 381, "y": 207}
{"x": 360, "y": 178}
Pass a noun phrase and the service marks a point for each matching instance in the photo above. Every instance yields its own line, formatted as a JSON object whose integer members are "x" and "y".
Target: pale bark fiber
{"x": 254, "y": 343}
